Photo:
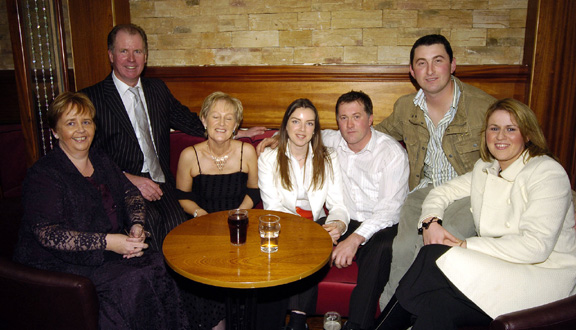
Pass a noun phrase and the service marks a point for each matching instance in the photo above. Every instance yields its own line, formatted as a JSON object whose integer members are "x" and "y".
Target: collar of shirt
{"x": 309, "y": 157}
{"x": 420, "y": 99}
{"x": 369, "y": 147}
{"x": 123, "y": 87}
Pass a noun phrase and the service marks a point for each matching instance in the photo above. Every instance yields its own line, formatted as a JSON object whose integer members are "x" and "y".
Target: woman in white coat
{"x": 300, "y": 177}
{"x": 525, "y": 252}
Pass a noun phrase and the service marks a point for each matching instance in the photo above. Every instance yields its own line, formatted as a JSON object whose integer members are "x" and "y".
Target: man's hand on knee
{"x": 344, "y": 253}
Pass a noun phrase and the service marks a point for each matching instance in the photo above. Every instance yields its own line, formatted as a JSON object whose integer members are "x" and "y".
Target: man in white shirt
{"x": 375, "y": 175}
{"x": 375, "y": 178}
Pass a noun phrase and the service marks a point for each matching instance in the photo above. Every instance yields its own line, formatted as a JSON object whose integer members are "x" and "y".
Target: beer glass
{"x": 238, "y": 224}
{"x": 332, "y": 321}
{"x": 269, "y": 230}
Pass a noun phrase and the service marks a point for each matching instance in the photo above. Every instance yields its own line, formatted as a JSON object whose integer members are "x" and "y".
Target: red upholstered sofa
{"x": 335, "y": 289}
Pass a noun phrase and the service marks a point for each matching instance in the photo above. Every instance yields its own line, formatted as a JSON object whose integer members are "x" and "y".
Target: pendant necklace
{"x": 219, "y": 161}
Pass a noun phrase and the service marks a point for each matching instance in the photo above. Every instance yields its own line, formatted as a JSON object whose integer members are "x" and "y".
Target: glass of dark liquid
{"x": 238, "y": 224}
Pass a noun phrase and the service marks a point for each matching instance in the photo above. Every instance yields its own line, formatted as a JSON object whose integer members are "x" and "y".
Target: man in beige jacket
{"x": 440, "y": 126}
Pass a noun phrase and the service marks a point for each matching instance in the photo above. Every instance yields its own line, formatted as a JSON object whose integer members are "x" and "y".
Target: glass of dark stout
{"x": 238, "y": 224}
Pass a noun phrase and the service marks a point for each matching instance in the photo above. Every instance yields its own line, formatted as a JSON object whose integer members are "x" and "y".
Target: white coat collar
{"x": 512, "y": 171}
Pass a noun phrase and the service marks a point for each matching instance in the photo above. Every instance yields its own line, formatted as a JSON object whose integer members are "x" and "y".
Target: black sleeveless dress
{"x": 213, "y": 193}
{"x": 219, "y": 192}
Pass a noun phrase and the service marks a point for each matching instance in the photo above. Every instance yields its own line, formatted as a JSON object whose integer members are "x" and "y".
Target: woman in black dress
{"x": 218, "y": 174}
{"x": 83, "y": 216}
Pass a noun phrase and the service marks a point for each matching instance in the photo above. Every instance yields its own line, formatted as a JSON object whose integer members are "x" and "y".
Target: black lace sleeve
{"x": 54, "y": 237}
{"x": 60, "y": 216}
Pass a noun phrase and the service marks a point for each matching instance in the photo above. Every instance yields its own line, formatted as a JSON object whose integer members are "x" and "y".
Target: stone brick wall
{"x": 284, "y": 32}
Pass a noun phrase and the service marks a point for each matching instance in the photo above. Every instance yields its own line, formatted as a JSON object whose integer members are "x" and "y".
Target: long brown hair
{"x": 321, "y": 159}
{"x": 527, "y": 124}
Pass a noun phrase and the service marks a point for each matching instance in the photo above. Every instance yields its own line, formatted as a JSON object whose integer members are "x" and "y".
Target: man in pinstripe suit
{"x": 118, "y": 133}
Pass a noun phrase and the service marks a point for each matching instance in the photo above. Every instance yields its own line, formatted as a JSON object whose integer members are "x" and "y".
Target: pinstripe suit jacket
{"x": 116, "y": 136}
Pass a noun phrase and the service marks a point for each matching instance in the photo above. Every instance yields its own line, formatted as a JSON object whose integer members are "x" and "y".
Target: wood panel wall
{"x": 9, "y": 111}
{"x": 551, "y": 35}
{"x": 266, "y": 91}
{"x": 90, "y": 22}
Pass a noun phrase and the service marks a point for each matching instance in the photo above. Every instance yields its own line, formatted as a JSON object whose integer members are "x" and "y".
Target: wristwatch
{"x": 425, "y": 225}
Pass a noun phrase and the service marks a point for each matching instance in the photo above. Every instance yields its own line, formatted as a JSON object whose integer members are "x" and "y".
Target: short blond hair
{"x": 211, "y": 99}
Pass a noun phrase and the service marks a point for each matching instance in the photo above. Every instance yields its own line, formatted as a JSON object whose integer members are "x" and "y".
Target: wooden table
{"x": 200, "y": 249}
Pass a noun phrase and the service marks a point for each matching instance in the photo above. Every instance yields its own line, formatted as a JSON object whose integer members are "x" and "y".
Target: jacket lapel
{"x": 115, "y": 107}
{"x": 153, "y": 111}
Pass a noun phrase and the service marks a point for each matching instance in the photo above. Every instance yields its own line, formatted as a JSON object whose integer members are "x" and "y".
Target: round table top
{"x": 200, "y": 249}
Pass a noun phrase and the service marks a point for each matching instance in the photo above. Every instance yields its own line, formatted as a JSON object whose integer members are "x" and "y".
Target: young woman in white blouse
{"x": 302, "y": 176}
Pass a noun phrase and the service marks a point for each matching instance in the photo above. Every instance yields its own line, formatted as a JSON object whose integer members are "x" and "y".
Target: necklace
{"x": 219, "y": 161}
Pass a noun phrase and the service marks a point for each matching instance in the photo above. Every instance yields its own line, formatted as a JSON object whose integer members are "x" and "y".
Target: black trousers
{"x": 373, "y": 259}
{"x": 436, "y": 303}
{"x": 163, "y": 215}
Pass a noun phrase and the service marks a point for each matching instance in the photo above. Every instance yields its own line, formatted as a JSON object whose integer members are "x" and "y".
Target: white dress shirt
{"x": 128, "y": 100}
{"x": 375, "y": 180}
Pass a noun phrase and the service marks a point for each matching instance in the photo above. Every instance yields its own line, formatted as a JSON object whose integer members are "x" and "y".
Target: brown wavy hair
{"x": 321, "y": 159}
{"x": 527, "y": 124}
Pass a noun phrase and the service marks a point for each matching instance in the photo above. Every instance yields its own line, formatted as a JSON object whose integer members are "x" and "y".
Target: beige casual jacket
{"x": 461, "y": 142}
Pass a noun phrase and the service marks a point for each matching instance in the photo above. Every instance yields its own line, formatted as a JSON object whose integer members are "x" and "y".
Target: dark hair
{"x": 429, "y": 40}
{"x": 527, "y": 124}
{"x": 131, "y": 29}
{"x": 67, "y": 101}
{"x": 321, "y": 159}
{"x": 353, "y": 96}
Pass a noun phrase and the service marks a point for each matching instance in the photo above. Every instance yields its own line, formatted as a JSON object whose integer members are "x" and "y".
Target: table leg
{"x": 241, "y": 310}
